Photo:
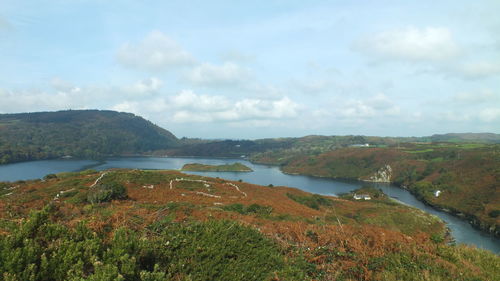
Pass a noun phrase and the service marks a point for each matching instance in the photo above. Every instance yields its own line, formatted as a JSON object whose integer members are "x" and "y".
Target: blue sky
{"x": 254, "y": 69}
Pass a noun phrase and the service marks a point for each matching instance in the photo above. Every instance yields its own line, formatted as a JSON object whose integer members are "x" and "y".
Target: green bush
{"x": 251, "y": 209}
{"x": 437, "y": 238}
{"x": 215, "y": 250}
{"x": 494, "y": 213}
{"x": 312, "y": 201}
{"x": 106, "y": 192}
{"x": 50, "y": 176}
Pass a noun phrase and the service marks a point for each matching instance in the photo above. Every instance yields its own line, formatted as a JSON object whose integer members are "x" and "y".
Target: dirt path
{"x": 98, "y": 179}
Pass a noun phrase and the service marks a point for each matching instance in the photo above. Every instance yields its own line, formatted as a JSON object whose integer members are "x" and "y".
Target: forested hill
{"x": 78, "y": 133}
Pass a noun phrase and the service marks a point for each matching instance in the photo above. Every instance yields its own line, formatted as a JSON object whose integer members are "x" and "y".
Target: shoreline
{"x": 470, "y": 219}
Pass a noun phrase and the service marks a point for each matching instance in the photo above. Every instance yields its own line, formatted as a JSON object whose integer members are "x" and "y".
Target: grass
{"x": 407, "y": 222}
{"x": 314, "y": 201}
{"x": 235, "y": 167}
{"x": 419, "y": 150}
{"x": 139, "y": 177}
{"x": 250, "y": 209}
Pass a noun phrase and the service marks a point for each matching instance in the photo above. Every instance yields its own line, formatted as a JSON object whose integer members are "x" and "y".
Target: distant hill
{"x": 78, "y": 133}
{"x": 466, "y": 137}
{"x": 286, "y": 148}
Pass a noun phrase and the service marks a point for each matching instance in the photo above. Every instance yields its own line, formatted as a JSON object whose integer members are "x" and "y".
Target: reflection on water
{"x": 262, "y": 175}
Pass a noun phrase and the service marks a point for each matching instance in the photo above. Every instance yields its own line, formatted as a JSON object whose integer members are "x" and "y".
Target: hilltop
{"x": 78, "y": 133}
{"x": 466, "y": 137}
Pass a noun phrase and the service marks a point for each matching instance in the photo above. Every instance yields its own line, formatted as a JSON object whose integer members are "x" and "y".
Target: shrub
{"x": 50, "y": 176}
{"x": 251, "y": 209}
{"x": 312, "y": 201}
{"x": 437, "y": 238}
{"x": 106, "y": 192}
{"x": 494, "y": 213}
{"x": 215, "y": 250}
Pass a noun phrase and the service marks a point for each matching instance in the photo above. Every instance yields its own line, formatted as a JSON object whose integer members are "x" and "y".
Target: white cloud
{"x": 143, "y": 107}
{"x": 454, "y": 116}
{"x": 410, "y": 44}
{"x": 228, "y": 73}
{"x": 477, "y": 70}
{"x": 314, "y": 86}
{"x": 376, "y": 106}
{"x": 146, "y": 86}
{"x": 35, "y": 100}
{"x": 63, "y": 85}
{"x": 478, "y": 97}
{"x": 126, "y": 106}
{"x": 490, "y": 114}
{"x": 187, "y": 99}
{"x": 266, "y": 109}
{"x": 236, "y": 56}
{"x": 383, "y": 104}
{"x": 189, "y": 107}
{"x": 242, "y": 110}
{"x": 156, "y": 52}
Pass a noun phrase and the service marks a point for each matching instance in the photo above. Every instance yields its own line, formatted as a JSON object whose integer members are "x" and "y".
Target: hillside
{"x": 467, "y": 176}
{"x": 78, "y": 133}
{"x": 165, "y": 225}
{"x": 286, "y": 148}
{"x": 466, "y": 137}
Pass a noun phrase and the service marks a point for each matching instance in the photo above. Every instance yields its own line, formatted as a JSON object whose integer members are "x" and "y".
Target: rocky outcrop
{"x": 384, "y": 174}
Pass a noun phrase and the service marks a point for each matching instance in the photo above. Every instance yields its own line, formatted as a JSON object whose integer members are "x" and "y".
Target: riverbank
{"x": 467, "y": 186}
{"x": 490, "y": 229}
{"x": 471, "y": 219}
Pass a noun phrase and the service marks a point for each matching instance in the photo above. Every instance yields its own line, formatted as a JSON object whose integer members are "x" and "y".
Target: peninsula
{"x": 235, "y": 167}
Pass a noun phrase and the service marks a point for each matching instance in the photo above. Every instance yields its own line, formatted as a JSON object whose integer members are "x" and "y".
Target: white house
{"x": 362, "y": 196}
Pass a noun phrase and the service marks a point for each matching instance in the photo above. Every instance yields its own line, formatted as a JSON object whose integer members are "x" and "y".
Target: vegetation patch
{"x": 250, "y": 209}
{"x": 105, "y": 192}
{"x": 313, "y": 201}
{"x": 215, "y": 250}
{"x": 235, "y": 167}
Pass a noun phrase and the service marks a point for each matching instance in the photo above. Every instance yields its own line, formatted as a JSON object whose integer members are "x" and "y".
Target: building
{"x": 360, "y": 145}
{"x": 362, "y": 196}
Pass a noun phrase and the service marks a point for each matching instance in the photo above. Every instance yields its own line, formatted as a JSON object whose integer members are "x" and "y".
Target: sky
{"x": 259, "y": 69}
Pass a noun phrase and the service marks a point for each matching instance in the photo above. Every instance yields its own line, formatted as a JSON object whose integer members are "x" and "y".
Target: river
{"x": 462, "y": 231}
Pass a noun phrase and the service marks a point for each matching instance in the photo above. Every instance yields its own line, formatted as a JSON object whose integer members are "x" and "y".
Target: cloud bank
{"x": 156, "y": 52}
{"x": 410, "y": 44}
